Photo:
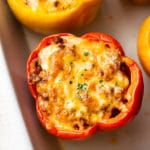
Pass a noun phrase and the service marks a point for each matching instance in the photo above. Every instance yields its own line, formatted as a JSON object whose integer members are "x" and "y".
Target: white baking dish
{"x": 19, "y": 127}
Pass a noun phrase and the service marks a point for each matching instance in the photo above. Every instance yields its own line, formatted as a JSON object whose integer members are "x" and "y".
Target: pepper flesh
{"x": 38, "y": 18}
{"x": 134, "y": 92}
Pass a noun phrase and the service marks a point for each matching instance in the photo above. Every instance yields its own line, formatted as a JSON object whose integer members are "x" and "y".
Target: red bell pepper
{"x": 119, "y": 117}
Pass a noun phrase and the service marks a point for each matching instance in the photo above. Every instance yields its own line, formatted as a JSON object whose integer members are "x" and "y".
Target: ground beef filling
{"x": 79, "y": 83}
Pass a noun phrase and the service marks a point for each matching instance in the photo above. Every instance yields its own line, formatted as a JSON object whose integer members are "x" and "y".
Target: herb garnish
{"x": 101, "y": 83}
{"x": 86, "y": 53}
{"x": 82, "y": 87}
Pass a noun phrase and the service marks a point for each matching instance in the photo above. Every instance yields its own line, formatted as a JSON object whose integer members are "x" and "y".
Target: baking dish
{"x": 118, "y": 18}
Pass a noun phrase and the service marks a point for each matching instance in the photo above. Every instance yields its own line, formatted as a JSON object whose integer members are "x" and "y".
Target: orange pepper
{"x": 46, "y": 17}
{"x": 144, "y": 44}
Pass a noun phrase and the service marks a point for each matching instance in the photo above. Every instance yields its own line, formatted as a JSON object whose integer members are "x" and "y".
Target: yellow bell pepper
{"x": 144, "y": 44}
{"x": 45, "y": 16}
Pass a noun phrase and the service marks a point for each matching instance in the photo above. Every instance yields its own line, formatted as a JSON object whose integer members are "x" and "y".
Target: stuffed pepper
{"x": 83, "y": 84}
{"x": 46, "y": 16}
{"x": 143, "y": 44}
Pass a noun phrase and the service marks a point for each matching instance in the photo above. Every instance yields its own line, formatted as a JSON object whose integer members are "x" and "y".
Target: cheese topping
{"x": 50, "y": 5}
{"x": 79, "y": 83}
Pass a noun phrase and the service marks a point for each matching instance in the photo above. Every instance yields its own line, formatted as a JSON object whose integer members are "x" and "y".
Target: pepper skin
{"x": 143, "y": 44}
{"x": 134, "y": 91}
{"x": 40, "y": 19}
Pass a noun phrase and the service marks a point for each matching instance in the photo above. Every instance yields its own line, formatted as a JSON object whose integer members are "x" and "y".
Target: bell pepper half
{"x": 51, "y": 16}
{"x": 83, "y": 84}
{"x": 143, "y": 44}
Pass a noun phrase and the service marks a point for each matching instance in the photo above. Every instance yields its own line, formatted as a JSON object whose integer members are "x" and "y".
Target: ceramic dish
{"x": 19, "y": 127}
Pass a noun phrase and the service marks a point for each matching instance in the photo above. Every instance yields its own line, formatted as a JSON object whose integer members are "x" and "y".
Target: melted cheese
{"x": 83, "y": 85}
{"x": 50, "y": 5}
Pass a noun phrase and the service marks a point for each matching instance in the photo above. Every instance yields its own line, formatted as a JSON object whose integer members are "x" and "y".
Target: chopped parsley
{"x": 100, "y": 81}
{"x": 82, "y": 74}
{"x": 86, "y": 53}
{"x": 80, "y": 98}
{"x": 82, "y": 87}
{"x": 101, "y": 84}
